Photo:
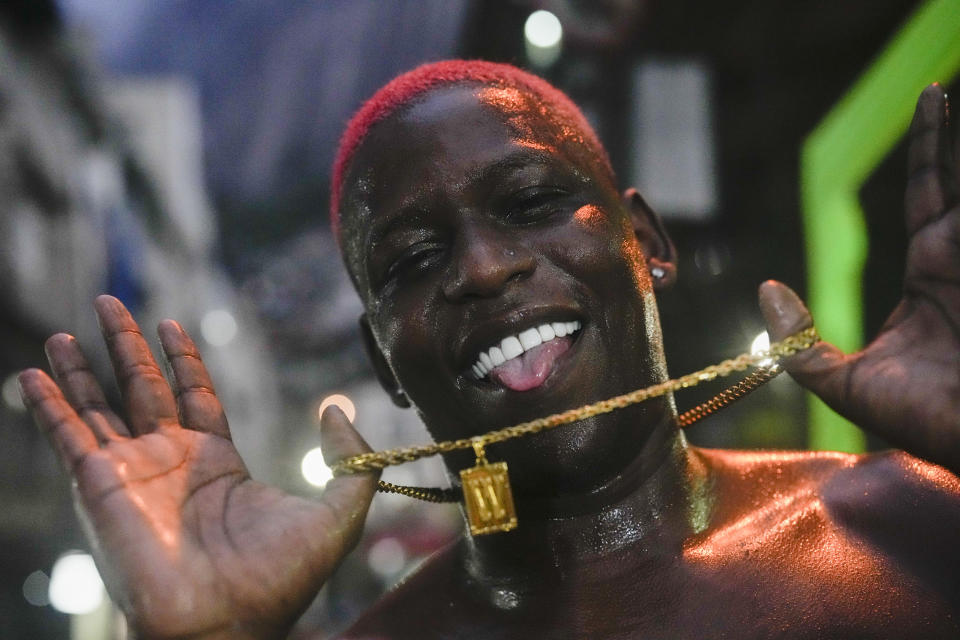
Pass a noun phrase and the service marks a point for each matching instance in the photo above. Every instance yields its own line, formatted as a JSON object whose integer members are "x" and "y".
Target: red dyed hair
{"x": 405, "y": 88}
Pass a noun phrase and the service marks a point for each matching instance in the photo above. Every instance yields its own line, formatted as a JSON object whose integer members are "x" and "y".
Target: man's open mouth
{"x": 523, "y": 361}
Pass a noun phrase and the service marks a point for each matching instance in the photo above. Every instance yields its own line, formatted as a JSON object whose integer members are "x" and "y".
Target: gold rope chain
{"x": 376, "y": 460}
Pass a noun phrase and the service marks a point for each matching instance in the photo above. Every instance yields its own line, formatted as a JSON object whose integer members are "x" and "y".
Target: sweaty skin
{"x": 626, "y": 531}
{"x": 469, "y": 217}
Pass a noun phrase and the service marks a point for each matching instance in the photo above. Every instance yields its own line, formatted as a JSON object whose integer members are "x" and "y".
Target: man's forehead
{"x": 453, "y": 106}
{"x": 458, "y": 130}
{"x": 531, "y": 118}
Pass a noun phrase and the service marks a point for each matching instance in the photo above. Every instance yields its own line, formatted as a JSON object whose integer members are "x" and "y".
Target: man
{"x": 473, "y": 204}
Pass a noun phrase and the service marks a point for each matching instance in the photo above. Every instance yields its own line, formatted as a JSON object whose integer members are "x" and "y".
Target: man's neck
{"x": 662, "y": 496}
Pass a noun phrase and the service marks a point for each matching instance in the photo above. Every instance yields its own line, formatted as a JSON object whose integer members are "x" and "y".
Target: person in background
{"x": 473, "y": 203}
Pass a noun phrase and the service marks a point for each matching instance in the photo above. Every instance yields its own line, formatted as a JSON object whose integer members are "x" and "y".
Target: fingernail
{"x": 21, "y": 386}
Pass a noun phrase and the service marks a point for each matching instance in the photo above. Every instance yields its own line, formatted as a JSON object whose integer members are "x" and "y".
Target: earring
{"x": 658, "y": 272}
{"x": 400, "y": 398}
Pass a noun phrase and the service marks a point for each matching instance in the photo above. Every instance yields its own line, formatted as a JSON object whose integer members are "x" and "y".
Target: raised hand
{"x": 188, "y": 545}
{"x": 905, "y": 385}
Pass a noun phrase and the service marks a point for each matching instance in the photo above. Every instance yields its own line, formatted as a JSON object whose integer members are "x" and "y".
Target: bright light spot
{"x": 218, "y": 327}
{"x": 761, "y": 343}
{"x": 342, "y": 401}
{"x": 387, "y": 557}
{"x": 542, "y": 29}
{"x": 36, "y": 588}
{"x": 542, "y": 37}
{"x": 11, "y": 393}
{"x": 75, "y": 584}
{"x": 314, "y": 469}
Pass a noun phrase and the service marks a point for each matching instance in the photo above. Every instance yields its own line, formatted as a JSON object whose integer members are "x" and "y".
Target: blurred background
{"x": 176, "y": 154}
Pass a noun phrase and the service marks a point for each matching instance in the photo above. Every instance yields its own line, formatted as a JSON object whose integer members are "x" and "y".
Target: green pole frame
{"x": 836, "y": 159}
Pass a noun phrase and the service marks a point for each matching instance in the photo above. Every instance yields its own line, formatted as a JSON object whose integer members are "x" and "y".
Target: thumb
{"x": 819, "y": 368}
{"x": 347, "y": 496}
{"x": 338, "y": 438}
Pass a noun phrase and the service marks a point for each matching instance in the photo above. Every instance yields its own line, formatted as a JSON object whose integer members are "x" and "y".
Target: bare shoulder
{"x": 887, "y": 485}
{"x": 841, "y": 536}
{"x": 891, "y": 509}
{"x": 908, "y": 507}
{"x": 903, "y": 485}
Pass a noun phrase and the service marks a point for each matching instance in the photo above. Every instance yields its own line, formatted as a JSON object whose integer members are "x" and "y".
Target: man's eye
{"x": 412, "y": 260}
{"x": 531, "y": 205}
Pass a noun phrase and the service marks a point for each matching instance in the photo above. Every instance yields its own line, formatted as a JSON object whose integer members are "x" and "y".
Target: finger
{"x": 72, "y": 439}
{"x": 348, "y": 496}
{"x": 146, "y": 395}
{"x": 200, "y": 409}
{"x": 81, "y": 389}
{"x": 819, "y": 368}
{"x": 931, "y": 184}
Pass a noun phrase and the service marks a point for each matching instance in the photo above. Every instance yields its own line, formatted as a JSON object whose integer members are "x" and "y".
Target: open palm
{"x": 905, "y": 385}
{"x": 187, "y": 543}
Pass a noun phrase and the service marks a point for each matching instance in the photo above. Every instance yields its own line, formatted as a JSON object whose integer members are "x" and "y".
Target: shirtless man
{"x": 472, "y": 202}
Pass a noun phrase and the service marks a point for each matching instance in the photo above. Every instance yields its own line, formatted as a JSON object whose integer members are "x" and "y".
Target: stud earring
{"x": 658, "y": 272}
{"x": 400, "y": 398}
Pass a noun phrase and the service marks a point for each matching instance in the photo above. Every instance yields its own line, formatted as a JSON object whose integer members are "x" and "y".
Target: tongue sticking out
{"x": 529, "y": 370}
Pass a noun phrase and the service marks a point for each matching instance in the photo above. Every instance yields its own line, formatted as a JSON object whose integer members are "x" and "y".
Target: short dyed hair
{"x": 405, "y": 88}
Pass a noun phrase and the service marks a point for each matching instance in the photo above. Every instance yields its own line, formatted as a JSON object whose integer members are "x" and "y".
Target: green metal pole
{"x": 837, "y": 157}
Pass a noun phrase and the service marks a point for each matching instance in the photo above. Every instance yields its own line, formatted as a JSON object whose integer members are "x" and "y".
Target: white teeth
{"x": 486, "y": 361}
{"x": 513, "y": 346}
{"x": 530, "y": 338}
{"x": 546, "y": 332}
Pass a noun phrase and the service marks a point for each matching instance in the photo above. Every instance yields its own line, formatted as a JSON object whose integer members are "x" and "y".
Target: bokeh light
{"x": 343, "y": 402}
{"x": 75, "y": 584}
{"x": 218, "y": 327}
{"x": 315, "y": 469}
{"x": 542, "y": 29}
{"x": 387, "y": 558}
{"x": 543, "y": 35}
{"x": 761, "y": 343}
{"x": 36, "y": 589}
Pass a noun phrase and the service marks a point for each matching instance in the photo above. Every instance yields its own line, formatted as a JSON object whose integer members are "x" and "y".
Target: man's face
{"x": 472, "y": 222}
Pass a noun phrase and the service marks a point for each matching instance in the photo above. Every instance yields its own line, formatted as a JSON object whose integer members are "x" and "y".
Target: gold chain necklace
{"x": 486, "y": 486}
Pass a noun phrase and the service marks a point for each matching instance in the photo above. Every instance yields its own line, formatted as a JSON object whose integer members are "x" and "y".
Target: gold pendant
{"x": 487, "y": 495}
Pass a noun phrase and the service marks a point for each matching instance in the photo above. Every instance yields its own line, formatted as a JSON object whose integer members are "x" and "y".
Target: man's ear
{"x": 657, "y": 246}
{"x": 380, "y": 367}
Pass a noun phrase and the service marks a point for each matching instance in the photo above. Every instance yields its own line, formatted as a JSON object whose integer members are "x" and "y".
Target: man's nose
{"x": 483, "y": 263}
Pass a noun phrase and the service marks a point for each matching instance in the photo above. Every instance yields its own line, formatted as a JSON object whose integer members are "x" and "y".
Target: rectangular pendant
{"x": 489, "y": 501}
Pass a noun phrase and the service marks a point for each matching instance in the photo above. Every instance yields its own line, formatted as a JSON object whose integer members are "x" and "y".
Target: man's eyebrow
{"x": 516, "y": 160}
